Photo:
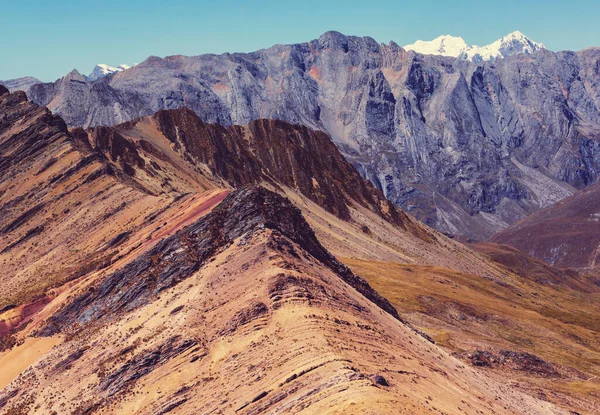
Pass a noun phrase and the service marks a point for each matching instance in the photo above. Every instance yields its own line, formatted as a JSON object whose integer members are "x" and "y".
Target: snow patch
{"x": 447, "y": 45}
{"x": 103, "y": 69}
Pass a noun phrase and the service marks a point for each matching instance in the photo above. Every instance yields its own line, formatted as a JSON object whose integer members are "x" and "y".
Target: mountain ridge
{"x": 409, "y": 118}
{"x": 446, "y": 139}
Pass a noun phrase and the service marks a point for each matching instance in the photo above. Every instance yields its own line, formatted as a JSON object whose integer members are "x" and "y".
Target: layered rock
{"x": 66, "y": 209}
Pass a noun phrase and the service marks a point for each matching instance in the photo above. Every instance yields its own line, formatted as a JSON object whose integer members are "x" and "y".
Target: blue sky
{"x": 47, "y": 39}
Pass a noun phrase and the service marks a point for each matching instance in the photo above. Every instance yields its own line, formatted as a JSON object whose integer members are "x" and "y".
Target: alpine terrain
{"x": 467, "y": 147}
{"x": 333, "y": 227}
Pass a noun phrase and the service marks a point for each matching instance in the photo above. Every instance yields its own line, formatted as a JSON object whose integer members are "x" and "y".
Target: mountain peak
{"x": 516, "y": 34}
{"x": 103, "y": 69}
{"x": 447, "y": 45}
{"x": 75, "y": 75}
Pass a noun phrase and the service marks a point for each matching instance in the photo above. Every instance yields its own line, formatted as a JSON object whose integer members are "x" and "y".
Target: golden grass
{"x": 464, "y": 312}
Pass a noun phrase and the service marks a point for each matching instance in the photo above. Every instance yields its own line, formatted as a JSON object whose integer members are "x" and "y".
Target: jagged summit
{"x": 447, "y": 45}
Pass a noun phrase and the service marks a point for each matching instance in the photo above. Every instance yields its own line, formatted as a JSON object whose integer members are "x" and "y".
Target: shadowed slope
{"x": 566, "y": 235}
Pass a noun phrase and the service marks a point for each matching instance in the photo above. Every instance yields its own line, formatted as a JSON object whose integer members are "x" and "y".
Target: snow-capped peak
{"x": 511, "y": 44}
{"x": 103, "y": 69}
{"x": 445, "y": 45}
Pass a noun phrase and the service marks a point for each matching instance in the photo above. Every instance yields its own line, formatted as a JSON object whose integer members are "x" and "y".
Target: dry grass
{"x": 464, "y": 312}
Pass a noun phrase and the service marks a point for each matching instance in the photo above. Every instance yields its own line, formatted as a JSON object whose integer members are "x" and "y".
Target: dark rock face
{"x": 520, "y": 361}
{"x": 269, "y": 151}
{"x": 179, "y": 256}
{"x": 468, "y": 148}
{"x": 379, "y": 380}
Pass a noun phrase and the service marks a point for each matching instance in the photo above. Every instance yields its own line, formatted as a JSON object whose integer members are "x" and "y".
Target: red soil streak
{"x": 17, "y": 317}
{"x": 193, "y": 215}
{"x": 21, "y": 315}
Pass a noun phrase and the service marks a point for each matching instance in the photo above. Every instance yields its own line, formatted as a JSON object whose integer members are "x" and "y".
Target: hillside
{"x": 176, "y": 266}
{"x": 566, "y": 234}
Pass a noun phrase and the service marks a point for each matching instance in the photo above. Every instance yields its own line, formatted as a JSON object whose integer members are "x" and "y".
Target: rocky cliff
{"x": 468, "y": 148}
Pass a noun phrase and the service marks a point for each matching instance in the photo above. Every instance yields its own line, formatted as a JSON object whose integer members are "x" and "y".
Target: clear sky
{"x": 48, "y": 38}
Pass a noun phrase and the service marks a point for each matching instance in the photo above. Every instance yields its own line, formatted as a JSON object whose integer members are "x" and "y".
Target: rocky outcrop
{"x": 512, "y": 360}
{"x": 179, "y": 256}
{"x": 468, "y": 148}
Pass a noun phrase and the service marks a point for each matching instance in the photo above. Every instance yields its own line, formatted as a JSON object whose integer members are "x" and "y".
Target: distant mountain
{"x": 512, "y": 44}
{"x": 445, "y": 45}
{"x": 20, "y": 84}
{"x": 103, "y": 69}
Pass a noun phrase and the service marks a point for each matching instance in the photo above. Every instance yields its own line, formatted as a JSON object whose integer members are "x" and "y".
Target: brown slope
{"x": 266, "y": 323}
{"x": 166, "y": 169}
{"x": 566, "y": 235}
{"x": 532, "y": 268}
{"x": 66, "y": 210}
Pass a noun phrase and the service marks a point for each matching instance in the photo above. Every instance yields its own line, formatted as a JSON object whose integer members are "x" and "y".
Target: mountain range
{"x": 468, "y": 148}
{"x": 167, "y": 265}
{"x": 337, "y": 226}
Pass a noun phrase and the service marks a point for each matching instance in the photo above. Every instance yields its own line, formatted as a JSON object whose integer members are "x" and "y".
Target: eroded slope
{"x": 266, "y": 323}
